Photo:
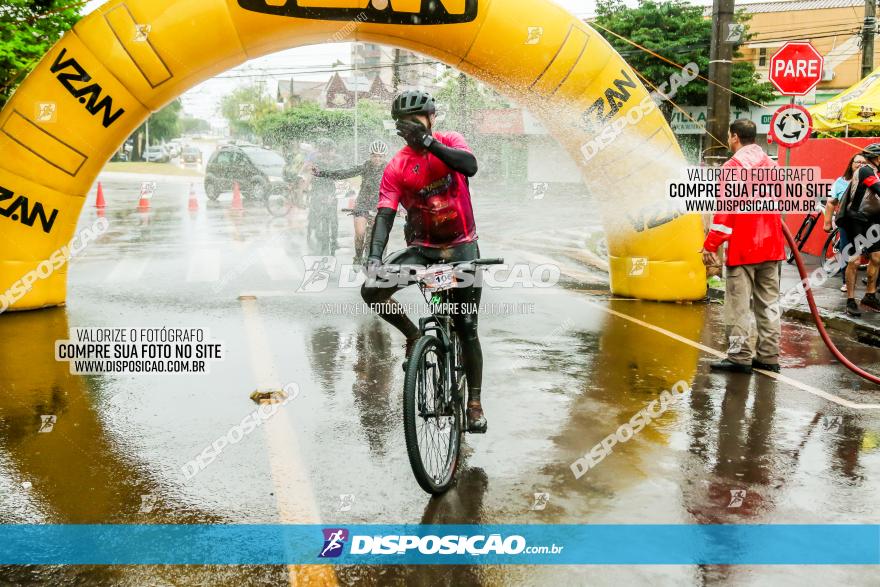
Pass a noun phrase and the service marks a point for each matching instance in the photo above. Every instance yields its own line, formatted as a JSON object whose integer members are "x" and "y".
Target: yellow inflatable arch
{"x": 131, "y": 57}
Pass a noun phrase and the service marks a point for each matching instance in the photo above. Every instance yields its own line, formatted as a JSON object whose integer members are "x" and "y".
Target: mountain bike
{"x": 830, "y": 248}
{"x": 435, "y": 384}
{"x": 280, "y": 202}
{"x": 368, "y": 230}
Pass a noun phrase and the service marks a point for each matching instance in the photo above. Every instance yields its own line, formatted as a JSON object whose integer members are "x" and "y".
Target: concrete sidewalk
{"x": 831, "y": 302}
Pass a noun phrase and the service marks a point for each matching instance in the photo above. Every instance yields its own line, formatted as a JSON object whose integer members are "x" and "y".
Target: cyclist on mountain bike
{"x": 368, "y": 198}
{"x": 429, "y": 178}
{"x": 322, "y": 197}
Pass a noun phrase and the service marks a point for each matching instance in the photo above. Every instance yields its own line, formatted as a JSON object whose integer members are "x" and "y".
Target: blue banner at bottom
{"x": 439, "y": 544}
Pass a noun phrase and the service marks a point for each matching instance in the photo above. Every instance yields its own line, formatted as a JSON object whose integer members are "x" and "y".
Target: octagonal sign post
{"x": 796, "y": 68}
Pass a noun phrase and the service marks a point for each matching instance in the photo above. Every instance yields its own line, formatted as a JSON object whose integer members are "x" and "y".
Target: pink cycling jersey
{"x": 437, "y": 199}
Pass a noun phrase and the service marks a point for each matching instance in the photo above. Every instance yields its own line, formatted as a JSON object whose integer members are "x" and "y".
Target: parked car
{"x": 258, "y": 171}
{"x": 156, "y": 154}
{"x": 191, "y": 156}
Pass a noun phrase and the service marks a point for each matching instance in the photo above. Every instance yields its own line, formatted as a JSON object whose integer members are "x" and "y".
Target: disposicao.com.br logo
{"x": 413, "y": 545}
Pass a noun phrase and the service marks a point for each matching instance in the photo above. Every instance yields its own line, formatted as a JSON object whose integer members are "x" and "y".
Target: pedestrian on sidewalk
{"x": 859, "y": 216}
{"x": 755, "y": 249}
{"x": 837, "y": 193}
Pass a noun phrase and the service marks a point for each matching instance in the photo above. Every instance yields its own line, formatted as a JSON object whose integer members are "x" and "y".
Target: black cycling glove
{"x": 414, "y": 133}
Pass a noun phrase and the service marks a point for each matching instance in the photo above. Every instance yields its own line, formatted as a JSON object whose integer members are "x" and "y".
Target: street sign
{"x": 796, "y": 68}
{"x": 791, "y": 125}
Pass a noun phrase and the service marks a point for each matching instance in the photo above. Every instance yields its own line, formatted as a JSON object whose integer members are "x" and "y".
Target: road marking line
{"x": 779, "y": 377}
{"x": 128, "y": 269}
{"x": 568, "y": 270}
{"x": 278, "y": 265}
{"x": 204, "y": 266}
{"x": 294, "y": 495}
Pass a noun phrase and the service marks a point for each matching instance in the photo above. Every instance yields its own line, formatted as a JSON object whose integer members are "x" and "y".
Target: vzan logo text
{"x": 70, "y": 72}
{"x": 20, "y": 210}
{"x": 615, "y": 97}
{"x": 416, "y": 12}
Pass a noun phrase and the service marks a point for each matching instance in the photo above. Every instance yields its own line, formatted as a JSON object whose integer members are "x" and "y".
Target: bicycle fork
{"x": 440, "y": 327}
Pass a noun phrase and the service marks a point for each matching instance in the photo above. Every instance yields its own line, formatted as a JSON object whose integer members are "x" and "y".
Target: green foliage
{"x": 308, "y": 121}
{"x": 461, "y": 96}
{"x": 678, "y": 31}
{"x": 189, "y": 125}
{"x": 243, "y": 108}
{"x": 165, "y": 124}
{"x": 28, "y": 28}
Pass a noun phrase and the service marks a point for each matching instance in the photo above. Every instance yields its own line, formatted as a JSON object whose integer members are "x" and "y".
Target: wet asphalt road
{"x": 564, "y": 367}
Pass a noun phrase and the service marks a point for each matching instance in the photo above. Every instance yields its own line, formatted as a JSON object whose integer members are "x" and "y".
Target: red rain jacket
{"x": 750, "y": 238}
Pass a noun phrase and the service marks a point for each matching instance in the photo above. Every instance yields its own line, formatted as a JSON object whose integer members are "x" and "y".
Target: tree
{"x": 680, "y": 32}
{"x": 461, "y": 97}
{"x": 28, "y": 28}
{"x": 164, "y": 125}
{"x": 243, "y": 108}
{"x": 190, "y": 125}
{"x": 308, "y": 122}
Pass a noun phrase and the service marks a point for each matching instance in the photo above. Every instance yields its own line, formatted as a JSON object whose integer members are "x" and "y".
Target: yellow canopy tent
{"x": 857, "y": 108}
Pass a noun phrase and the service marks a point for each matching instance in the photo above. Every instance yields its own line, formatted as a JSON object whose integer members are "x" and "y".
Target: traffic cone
{"x": 193, "y": 200}
{"x": 99, "y": 201}
{"x": 144, "y": 203}
{"x": 236, "y": 198}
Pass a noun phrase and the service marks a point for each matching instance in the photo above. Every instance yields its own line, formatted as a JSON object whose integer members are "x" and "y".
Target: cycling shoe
{"x": 476, "y": 421}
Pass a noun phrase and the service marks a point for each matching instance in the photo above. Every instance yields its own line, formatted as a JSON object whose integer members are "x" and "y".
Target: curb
{"x": 863, "y": 333}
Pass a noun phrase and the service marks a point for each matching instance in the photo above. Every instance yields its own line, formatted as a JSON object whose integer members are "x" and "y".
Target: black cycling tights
{"x": 465, "y": 323}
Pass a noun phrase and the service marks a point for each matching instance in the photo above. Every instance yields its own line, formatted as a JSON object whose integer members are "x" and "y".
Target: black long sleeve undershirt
{"x": 346, "y": 173}
{"x": 381, "y": 232}
{"x": 458, "y": 160}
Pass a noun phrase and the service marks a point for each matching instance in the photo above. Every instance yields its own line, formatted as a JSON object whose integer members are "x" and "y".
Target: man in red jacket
{"x": 755, "y": 247}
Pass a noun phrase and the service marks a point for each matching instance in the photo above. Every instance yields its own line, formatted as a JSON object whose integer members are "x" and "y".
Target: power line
{"x": 688, "y": 48}
{"x": 288, "y": 72}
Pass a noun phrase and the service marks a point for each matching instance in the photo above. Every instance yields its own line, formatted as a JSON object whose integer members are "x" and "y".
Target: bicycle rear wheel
{"x": 829, "y": 249}
{"x": 431, "y": 424}
{"x": 803, "y": 234}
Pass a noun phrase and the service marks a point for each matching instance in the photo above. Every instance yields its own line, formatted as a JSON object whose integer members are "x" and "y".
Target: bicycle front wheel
{"x": 278, "y": 205}
{"x": 432, "y": 425}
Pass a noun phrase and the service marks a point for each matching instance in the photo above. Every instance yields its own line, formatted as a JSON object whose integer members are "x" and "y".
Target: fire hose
{"x": 808, "y": 288}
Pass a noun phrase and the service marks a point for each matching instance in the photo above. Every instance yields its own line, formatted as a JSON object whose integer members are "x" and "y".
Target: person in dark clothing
{"x": 839, "y": 189}
{"x": 429, "y": 178}
{"x": 322, "y": 197}
{"x": 368, "y": 199}
{"x": 860, "y": 220}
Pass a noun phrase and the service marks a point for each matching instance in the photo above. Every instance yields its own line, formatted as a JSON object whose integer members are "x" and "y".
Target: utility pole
{"x": 464, "y": 114}
{"x": 356, "y": 115}
{"x": 395, "y": 71}
{"x": 868, "y": 30}
{"x": 720, "y": 65}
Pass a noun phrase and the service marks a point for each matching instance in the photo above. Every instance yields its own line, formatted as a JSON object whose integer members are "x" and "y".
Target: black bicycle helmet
{"x": 412, "y": 102}
{"x": 872, "y": 151}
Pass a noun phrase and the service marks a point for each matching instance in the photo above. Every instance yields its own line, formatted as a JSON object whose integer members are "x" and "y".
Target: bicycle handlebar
{"x": 495, "y": 261}
{"x": 474, "y": 263}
